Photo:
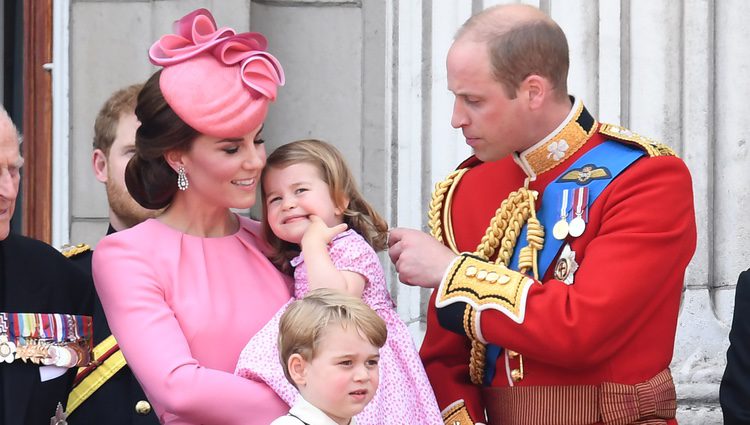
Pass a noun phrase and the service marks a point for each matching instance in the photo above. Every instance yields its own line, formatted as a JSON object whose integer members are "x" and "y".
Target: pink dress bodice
{"x": 182, "y": 308}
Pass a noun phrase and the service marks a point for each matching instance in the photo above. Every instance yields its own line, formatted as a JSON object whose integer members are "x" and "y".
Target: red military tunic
{"x": 616, "y": 322}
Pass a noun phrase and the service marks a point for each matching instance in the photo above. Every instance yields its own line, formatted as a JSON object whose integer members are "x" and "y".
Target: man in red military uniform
{"x": 558, "y": 250}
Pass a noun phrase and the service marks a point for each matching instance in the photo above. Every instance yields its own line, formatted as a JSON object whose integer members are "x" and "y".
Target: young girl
{"x": 309, "y": 200}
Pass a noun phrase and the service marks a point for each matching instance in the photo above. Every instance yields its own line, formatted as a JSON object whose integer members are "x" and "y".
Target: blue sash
{"x": 612, "y": 155}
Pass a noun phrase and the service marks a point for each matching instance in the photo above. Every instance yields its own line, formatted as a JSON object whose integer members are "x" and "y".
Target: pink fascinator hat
{"x": 219, "y": 82}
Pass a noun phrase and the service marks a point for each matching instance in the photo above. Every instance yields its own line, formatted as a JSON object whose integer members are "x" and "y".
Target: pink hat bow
{"x": 210, "y": 75}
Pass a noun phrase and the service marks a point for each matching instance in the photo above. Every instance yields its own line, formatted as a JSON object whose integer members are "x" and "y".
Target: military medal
{"x": 7, "y": 349}
{"x": 566, "y": 266}
{"x": 51, "y": 339}
{"x": 560, "y": 229}
{"x": 577, "y": 226}
{"x": 580, "y": 202}
{"x": 60, "y": 417}
{"x": 63, "y": 356}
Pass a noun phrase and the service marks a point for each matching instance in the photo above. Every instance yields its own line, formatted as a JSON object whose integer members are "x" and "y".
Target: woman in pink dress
{"x": 185, "y": 291}
{"x": 310, "y": 198}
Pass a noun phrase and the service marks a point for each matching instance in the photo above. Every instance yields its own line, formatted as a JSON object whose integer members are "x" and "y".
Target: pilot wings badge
{"x": 582, "y": 176}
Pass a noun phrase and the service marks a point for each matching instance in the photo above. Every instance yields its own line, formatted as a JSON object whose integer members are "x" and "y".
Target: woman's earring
{"x": 182, "y": 181}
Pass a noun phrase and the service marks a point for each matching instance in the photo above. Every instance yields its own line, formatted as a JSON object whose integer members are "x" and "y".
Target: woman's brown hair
{"x": 148, "y": 177}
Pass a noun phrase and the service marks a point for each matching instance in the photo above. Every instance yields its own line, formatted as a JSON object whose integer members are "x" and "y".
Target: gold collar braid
{"x": 560, "y": 144}
{"x": 501, "y": 236}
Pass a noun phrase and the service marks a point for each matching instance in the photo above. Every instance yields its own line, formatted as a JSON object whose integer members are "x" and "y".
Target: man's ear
{"x": 297, "y": 366}
{"x": 535, "y": 89}
{"x": 99, "y": 164}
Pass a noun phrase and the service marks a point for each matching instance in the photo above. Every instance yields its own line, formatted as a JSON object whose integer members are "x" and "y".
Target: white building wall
{"x": 369, "y": 76}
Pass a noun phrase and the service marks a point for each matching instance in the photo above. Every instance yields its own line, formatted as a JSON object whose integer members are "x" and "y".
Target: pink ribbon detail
{"x": 196, "y": 33}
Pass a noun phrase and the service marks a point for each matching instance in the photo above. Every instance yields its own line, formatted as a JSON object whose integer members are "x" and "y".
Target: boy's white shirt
{"x": 308, "y": 413}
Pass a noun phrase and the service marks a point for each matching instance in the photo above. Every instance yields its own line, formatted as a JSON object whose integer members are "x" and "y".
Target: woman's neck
{"x": 199, "y": 219}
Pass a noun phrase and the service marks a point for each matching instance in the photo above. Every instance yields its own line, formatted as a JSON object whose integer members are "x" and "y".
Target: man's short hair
{"x": 305, "y": 322}
{"x": 520, "y": 49}
{"x": 121, "y": 102}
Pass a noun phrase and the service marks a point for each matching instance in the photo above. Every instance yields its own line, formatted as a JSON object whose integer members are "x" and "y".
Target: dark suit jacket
{"x": 36, "y": 278}
{"x": 734, "y": 393}
{"x": 114, "y": 402}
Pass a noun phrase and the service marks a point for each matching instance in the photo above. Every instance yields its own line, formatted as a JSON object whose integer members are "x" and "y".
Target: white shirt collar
{"x": 311, "y": 414}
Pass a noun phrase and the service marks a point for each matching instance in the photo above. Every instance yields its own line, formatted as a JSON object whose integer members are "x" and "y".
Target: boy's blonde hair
{"x": 304, "y": 323}
{"x": 358, "y": 215}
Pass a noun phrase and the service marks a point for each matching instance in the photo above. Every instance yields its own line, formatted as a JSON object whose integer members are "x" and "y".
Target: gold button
{"x": 503, "y": 279}
{"x": 512, "y": 354}
{"x": 143, "y": 407}
{"x": 471, "y": 271}
{"x": 481, "y": 274}
{"x": 516, "y": 375}
{"x": 491, "y": 277}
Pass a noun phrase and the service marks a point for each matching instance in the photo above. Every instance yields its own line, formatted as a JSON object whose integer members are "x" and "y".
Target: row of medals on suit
{"x": 41, "y": 352}
{"x": 575, "y": 202}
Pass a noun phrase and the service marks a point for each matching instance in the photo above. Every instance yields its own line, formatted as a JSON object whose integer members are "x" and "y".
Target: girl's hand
{"x": 318, "y": 233}
{"x": 321, "y": 271}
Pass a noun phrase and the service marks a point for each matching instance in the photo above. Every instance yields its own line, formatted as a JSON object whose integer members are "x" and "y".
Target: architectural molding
{"x": 311, "y": 3}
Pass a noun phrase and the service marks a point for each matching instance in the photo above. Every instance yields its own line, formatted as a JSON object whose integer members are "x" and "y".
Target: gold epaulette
{"x": 651, "y": 147}
{"x": 71, "y": 251}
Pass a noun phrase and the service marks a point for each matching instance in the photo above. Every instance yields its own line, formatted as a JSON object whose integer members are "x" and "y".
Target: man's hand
{"x": 420, "y": 260}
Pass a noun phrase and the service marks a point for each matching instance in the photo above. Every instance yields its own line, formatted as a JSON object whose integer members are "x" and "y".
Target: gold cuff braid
{"x": 478, "y": 353}
{"x": 485, "y": 286}
{"x": 457, "y": 414}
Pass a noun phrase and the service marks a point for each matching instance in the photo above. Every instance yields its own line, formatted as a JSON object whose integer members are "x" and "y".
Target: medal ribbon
{"x": 564, "y": 206}
{"x": 580, "y": 200}
{"x": 48, "y": 327}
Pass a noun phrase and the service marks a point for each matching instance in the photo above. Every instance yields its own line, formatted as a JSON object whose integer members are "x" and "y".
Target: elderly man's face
{"x": 10, "y": 167}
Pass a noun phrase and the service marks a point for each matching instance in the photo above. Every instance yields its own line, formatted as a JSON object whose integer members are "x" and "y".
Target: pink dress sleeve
{"x": 129, "y": 282}
{"x": 353, "y": 254}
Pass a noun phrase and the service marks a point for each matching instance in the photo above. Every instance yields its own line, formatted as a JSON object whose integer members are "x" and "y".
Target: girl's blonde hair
{"x": 358, "y": 215}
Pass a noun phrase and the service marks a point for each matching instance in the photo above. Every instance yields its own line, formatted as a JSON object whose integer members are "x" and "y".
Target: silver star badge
{"x": 566, "y": 265}
{"x": 60, "y": 416}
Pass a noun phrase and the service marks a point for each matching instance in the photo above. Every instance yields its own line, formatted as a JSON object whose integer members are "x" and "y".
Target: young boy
{"x": 328, "y": 344}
